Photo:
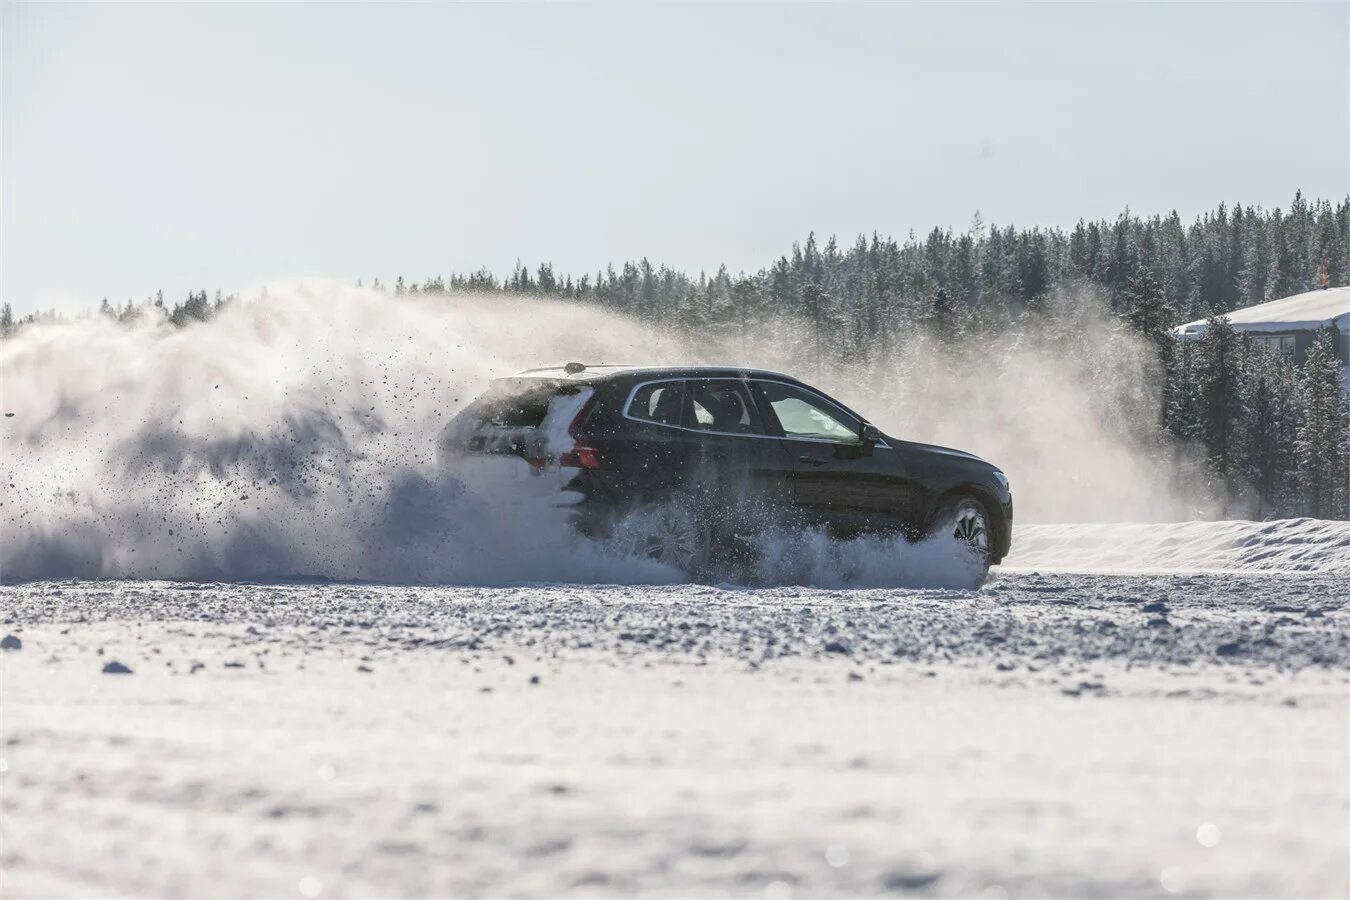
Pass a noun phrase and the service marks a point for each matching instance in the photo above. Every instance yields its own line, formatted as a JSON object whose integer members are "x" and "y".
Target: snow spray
{"x": 293, "y": 435}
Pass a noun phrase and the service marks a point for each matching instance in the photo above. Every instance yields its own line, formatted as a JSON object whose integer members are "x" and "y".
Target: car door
{"x": 656, "y": 452}
{"x": 738, "y": 467}
{"x": 836, "y": 479}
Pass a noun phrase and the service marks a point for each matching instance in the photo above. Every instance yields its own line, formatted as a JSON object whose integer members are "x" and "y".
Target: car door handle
{"x": 812, "y": 460}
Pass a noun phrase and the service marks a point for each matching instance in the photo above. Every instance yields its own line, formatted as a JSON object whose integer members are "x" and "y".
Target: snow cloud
{"x": 294, "y": 434}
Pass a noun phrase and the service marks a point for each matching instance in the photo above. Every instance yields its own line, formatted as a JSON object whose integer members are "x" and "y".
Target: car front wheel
{"x": 966, "y": 519}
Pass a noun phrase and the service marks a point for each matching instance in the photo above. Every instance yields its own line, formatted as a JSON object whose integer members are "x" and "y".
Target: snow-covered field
{"x": 1074, "y": 735}
{"x": 1283, "y": 545}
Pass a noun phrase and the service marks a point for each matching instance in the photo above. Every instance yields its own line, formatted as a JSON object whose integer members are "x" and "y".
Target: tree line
{"x": 1274, "y": 436}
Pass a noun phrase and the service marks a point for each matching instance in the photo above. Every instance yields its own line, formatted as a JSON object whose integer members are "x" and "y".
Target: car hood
{"x": 952, "y": 452}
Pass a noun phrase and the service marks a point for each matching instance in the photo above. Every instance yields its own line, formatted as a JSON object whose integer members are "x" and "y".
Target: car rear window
{"x": 516, "y": 402}
{"x": 658, "y": 401}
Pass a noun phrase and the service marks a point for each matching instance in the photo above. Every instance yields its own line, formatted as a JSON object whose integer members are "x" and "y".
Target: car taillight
{"x": 583, "y": 454}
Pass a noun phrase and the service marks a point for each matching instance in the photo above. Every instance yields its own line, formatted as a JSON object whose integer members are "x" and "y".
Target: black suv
{"x": 681, "y": 464}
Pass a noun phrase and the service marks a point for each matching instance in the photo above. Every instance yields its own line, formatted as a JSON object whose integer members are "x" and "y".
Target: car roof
{"x": 600, "y": 371}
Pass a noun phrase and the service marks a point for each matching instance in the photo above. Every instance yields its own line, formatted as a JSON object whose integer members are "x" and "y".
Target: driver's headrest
{"x": 730, "y": 408}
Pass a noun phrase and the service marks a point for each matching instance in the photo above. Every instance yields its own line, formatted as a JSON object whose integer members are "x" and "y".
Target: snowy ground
{"x": 1281, "y": 545}
{"x": 1064, "y": 735}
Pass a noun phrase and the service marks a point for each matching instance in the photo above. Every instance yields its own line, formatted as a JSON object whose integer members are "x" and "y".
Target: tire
{"x": 966, "y": 519}
{"x": 667, "y": 533}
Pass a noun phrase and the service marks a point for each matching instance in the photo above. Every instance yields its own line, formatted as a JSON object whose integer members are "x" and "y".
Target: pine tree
{"x": 1181, "y": 415}
{"x": 1218, "y": 379}
{"x": 1255, "y": 277}
{"x": 813, "y": 300}
{"x": 1146, "y": 308}
{"x": 1323, "y": 467}
{"x": 1272, "y": 408}
{"x": 545, "y": 279}
{"x": 945, "y": 322}
{"x": 746, "y": 301}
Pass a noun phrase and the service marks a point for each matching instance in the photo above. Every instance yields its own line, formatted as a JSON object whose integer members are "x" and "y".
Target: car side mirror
{"x": 868, "y": 435}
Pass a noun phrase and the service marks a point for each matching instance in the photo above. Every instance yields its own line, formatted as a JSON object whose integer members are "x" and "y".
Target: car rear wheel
{"x": 668, "y": 534}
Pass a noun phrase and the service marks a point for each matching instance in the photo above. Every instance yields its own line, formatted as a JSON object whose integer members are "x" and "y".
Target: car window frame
{"x": 632, "y": 396}
{"x": 760, "y": 425}
{"x": 684, "y": 382}
{"x": 770, "y": 421}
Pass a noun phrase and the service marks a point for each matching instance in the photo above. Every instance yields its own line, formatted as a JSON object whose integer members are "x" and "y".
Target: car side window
{"x": 803, "y": 414}
{"x": 721, "y": 404}
{"x": 660, "y": 402}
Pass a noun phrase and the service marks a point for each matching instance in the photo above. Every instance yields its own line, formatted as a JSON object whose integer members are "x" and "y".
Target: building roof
{"x": 1301, "y": 312}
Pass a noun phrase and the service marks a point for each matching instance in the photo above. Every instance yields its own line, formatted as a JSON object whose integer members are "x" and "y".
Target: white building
{"x": 1289, "y": 324}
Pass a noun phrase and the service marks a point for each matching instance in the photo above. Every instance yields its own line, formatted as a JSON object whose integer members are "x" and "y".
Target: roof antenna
{"x": 574, "y": 368}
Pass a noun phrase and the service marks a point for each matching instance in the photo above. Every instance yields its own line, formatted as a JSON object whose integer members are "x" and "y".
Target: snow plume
{"x": 1066, "y": 403}
{"x": 291, "y": 435}
{"x": 294, "y": 435}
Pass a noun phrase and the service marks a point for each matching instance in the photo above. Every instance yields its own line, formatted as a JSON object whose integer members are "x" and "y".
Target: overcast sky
{"x": 217, "y": 146}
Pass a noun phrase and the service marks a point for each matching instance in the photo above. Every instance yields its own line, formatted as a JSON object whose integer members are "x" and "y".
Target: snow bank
{"x": 1285, "y": 545}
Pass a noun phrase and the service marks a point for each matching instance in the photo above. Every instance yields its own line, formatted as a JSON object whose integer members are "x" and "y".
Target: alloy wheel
{"x": 666, "y": 534}
{"x": 972, "y": 528}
